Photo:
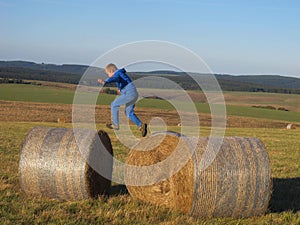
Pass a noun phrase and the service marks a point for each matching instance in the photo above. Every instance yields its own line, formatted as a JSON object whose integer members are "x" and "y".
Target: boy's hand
{"x": 101, "y": 81}
{"x": 118, "y": 91}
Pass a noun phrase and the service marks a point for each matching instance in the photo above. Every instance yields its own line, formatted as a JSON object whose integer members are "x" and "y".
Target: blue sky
{"x": 232, "y": 36}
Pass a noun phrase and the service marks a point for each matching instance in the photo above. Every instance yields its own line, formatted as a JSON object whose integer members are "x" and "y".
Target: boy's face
{"x": 110, "y": 73}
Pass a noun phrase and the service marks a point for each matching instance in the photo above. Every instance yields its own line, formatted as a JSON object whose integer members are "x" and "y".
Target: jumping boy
{"x": 128, "y": 97}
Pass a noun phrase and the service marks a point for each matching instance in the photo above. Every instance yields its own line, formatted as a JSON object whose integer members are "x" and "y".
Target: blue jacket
{"x": 120, "y": 77}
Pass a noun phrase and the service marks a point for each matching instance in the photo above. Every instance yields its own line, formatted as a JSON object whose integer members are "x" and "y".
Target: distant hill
{"x": 68, "y": 73}
{"x": 34, "y": 74}
{"x": 65, "y": 68}
{"x": 265, "y": 80}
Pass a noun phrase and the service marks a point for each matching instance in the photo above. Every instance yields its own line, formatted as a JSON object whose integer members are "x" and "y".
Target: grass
{"x": 263, "y": 113}
{"x": 253, "y": 98}
{"x": 33, "y": 93}
{"x": 16, "y": 208}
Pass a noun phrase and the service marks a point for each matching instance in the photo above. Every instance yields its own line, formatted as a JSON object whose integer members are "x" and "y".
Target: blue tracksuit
{"x": 128, "y": 97}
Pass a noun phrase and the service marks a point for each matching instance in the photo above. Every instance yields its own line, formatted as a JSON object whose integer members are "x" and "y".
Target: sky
{"x": 231, "y": 36}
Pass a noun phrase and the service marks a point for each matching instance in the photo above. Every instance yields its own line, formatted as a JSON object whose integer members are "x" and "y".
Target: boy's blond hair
{"x": 111, "y": 67}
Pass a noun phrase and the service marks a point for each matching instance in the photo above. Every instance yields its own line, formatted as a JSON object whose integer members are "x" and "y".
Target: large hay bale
{"x": 62, "y": 163}
{"x": 236, "y": 184}
{"x": 291, "y": 126}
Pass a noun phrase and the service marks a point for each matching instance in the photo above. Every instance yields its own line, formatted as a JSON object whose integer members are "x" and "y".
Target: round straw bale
{"x": 236, "y": 184}
{"x": 64, "y": 163}
{"x": 291, "y": 126}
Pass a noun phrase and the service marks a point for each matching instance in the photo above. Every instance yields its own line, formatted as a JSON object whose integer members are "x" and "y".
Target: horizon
{"x": 149, "y": 70}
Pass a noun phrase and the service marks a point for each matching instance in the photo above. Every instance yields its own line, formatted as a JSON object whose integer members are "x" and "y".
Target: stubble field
{"x": 18, "y": 116}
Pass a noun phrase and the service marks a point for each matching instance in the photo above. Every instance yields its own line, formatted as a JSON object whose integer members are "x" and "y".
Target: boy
{"x": 128, "y": 97}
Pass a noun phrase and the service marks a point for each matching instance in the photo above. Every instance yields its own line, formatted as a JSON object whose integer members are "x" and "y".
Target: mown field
{"x": 120, "y": 208}
{"x": 282, "y": 145}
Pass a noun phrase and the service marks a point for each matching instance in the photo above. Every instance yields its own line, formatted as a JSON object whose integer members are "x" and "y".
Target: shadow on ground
{"x": 118, "y": 190}
{"x": 286, "y": 195}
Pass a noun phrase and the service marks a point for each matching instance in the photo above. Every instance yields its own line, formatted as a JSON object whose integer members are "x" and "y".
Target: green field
{"x": 33, "y": 93}
{"x": 120, "y": 208}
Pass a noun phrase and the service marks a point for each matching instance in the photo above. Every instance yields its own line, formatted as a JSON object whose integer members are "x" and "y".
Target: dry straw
{"x": 291, "y": 126}
{"x": 55, "y": 164}
{"x": 237, "y": 183}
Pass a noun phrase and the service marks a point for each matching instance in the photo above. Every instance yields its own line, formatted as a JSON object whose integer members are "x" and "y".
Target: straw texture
{"x": 236, "y": 184}
{"x": 55, "y": 164}
{"x": 291, "y": 126}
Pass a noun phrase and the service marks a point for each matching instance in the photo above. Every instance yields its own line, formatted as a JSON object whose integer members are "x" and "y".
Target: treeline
{"x": 12, "y": 81}
{"x": 17, "y": 81}
{"x": 227, "y": 83}
{"x": 43, "y": 75}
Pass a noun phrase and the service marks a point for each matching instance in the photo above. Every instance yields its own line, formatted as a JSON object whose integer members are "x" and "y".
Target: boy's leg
{"x": 129, "y": 110}
{"x": 115, "y": 105}
{"x": 130, "y": 113}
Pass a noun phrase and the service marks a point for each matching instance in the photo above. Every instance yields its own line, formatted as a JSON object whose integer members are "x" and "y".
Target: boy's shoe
{"x": 143, "y": 129}
{"x": 112, "y": 126}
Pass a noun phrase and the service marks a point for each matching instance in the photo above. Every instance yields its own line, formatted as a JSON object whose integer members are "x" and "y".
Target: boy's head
{"x": 110, "y": 69}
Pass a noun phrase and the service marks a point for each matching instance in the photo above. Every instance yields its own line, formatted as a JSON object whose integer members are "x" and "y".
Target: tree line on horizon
{"x": 227, "y": 83}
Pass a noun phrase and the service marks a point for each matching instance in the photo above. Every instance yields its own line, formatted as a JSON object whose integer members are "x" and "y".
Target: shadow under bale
{"x": 286, "y": 195}
{"x": 117, "y": 190}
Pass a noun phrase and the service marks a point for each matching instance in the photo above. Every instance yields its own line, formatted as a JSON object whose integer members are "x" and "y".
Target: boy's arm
{"x": 101, "y": 81}
{"x": 111, "y": 79}
{"x": 108, "y": 80}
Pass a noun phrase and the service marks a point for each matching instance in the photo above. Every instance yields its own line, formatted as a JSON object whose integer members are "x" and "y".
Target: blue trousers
{"x": 128, "y": 97}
